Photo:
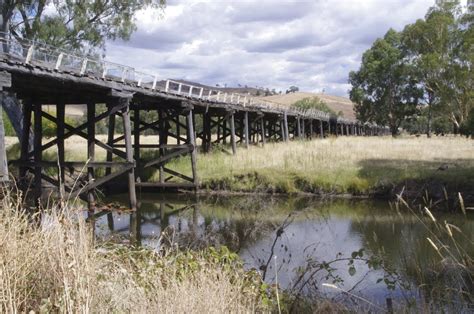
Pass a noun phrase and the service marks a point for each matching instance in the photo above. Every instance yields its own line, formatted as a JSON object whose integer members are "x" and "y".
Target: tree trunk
{"x": 430, "y": 115}
{"x": 394, "y": 131}
{"x": 10, "y": 103}
{"x": 5, "y": 25}
{"x": 13, "y": 110}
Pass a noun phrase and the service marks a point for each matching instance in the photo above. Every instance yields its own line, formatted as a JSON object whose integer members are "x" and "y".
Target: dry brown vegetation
{"x": 51, "y": 264}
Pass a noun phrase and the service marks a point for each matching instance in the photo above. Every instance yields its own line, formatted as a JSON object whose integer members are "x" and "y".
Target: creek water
{"x": 306, "y": 245}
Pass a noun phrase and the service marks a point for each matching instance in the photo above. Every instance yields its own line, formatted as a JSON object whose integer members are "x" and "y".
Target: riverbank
{"x": 52, "y": 263}
{"x": 56, "y": 263}
{"x": 350, "y": 166}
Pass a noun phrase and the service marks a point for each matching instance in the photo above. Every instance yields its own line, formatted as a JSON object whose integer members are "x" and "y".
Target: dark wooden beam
{"x": 132, "y": 194}
{"x": 60, "y": 115}
{"x": 192, "y": 143}
{"x": 90, "y": 153}
{"x": 38, "y": 153}
{"x": 232, "y": 134}
{"x": 3, "y": 151}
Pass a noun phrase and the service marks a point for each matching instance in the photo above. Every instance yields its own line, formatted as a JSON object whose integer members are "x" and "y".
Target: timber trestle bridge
{"x": 184, "y": 118}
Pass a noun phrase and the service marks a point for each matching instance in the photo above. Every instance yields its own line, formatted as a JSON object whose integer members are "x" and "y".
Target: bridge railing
{"x": 43, "y": 55}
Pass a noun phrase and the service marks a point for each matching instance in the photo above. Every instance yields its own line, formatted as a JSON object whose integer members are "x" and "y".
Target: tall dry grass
{"x": 343, "y": 164}
{"x": 51, "y": 264}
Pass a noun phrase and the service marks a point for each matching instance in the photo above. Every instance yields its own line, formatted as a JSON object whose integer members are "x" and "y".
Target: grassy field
{"x": 343, "y": 165}
{"x": 356, "y": 165}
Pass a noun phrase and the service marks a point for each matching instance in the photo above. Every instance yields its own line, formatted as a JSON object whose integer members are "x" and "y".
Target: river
{"x": 307, "y": 245}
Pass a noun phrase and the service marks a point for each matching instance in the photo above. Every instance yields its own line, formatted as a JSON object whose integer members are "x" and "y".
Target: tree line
{"x": 421, "y": 79}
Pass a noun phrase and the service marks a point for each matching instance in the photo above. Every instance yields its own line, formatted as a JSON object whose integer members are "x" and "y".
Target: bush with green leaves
{"x": 467, "y": 128}
{"x": 314, "y": 103}
{"x": 7, "y": 125}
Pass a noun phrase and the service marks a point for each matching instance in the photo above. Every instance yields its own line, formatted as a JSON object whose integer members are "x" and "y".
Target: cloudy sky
{"x": 312, "y": 44}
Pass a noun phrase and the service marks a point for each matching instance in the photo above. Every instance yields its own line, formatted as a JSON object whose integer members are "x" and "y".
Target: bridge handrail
{"x": 41, "y": 54}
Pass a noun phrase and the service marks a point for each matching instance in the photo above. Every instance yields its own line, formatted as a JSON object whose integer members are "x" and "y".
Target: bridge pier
{"x": 90, "y": 153}
{"x": 129, "y": 153}
{"x": 232, "y": 133}
{"x": 246, "y": 129}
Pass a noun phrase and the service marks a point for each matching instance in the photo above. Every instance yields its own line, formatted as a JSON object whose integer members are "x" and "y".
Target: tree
{"x": 467, "y": 128}
{"x": 292, "y": 89}
{"x": 385, "y": 89}
{"x": 441, "y": 49}
{"x": 428, "y": 48}
{"x": 458, "y": 85}
{"x": 78, "y": 25}
{"x": 314, "y": 103}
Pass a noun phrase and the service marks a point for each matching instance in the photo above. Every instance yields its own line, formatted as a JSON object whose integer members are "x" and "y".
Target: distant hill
{"x": 336, "y": 103}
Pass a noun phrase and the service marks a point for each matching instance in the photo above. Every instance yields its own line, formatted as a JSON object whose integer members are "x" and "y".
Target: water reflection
{"x": 284, "y": 236}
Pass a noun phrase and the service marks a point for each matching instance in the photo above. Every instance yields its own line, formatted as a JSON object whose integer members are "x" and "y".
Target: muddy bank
{"x": 432, "y": 192}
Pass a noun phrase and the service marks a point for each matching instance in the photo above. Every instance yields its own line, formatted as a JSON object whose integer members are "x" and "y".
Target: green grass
{"x": 344, "y": 165}
{"x": 356, "y": 166}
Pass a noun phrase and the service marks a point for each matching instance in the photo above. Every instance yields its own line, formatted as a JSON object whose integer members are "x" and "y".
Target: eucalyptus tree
{"x": 71, "y": 23}
{"x": 385, "y": 89}
{"x": 429, "y": 44}
{"x": 441, "y": 46}
{"x": 80, "y": 25}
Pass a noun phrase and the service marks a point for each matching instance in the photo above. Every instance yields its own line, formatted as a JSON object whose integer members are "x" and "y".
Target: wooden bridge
{"x": 185, "y": 118}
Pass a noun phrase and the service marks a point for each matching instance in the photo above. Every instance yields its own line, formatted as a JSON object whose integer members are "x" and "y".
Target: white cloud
{"x": 311, "y": 44}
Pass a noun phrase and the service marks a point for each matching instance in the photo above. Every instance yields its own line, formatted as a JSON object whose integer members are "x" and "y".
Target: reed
{"x": 49, "y": 262}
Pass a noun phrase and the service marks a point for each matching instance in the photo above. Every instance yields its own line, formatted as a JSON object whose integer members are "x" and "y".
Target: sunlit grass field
{"x": 343, "y": 164}
{"x": 354, "y": 165}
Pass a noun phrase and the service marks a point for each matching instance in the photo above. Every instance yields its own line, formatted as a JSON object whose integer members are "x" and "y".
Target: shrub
{"x": 314, "y": 103}
{"x": 467, "y": 128}
{"x": 7, "y": 125}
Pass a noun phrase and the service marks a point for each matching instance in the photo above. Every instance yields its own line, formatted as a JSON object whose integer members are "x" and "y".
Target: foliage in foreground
{"x": 50, "y": 263}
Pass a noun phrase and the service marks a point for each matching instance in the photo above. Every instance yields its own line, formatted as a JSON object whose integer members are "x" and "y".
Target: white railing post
{"x": 58, "y": 61}
{"x": 179, "y": 88}
{"x": 218, "y": 96}
{"x": 140, "y": 81}
{"x": 200, "y": 92}
{"x": 104, "y": 72}
{"x": 225, "y": 97}
{"x": 232, "y": 98}
{"x": 29, "y": 54}
{"x": 84, "y": 66}
{"x": 124, "y": 73}
{"x": 154, "y": 82}
{"x": 167, "y": 86}
{"x": 190, "y": 91}
{"x": 210, "y": 94}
